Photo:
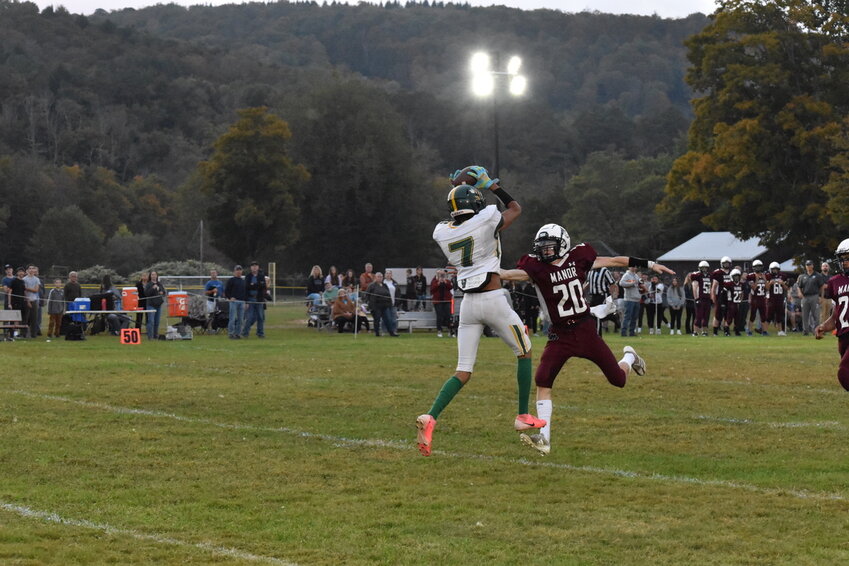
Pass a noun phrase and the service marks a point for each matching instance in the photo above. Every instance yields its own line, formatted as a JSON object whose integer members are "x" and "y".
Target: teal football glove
{"x": 481, "y": 177}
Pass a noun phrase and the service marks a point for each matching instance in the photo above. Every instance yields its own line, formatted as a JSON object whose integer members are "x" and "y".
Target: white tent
{"x": 712, "y": 246}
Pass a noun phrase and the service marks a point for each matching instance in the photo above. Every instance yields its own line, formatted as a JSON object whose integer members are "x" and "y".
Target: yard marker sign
{"x": 131, "y": 336}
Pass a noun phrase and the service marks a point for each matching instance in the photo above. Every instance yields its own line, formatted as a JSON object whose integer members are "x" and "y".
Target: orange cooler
{"x": 178, "y": 303}
{"x": 130, "y": 298}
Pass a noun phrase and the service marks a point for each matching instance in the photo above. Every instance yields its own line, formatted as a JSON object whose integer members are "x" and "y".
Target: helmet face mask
{"x": 704, "y": 267}
{"x": 465, "y": 200}
{"x": 758, "y": 266}
{"x": 551, "y": 243}
{"x": 842, "y": 256}
{"x": 736, "y": 275}
{"x": 774, "y": 268}
{"x": 725, "y": 263}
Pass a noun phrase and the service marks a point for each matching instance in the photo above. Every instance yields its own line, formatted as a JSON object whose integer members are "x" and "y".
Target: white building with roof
{"x": 712, "y": 246}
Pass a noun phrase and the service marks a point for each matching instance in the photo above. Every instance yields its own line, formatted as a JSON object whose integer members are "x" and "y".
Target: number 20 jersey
{"x": 560, "y": 284}
{"x": 839, "y": 288}
{"x": 473, "y": 247}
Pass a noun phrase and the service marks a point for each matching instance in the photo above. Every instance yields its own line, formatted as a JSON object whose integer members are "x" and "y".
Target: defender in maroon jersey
{"x": 776, "y": 289}
{"x": 719, "y": 278}
{"x": 701, "y": 282}
{"x": 839, "y": 320}
{"x": 757, "y": 296}
{"x": 558, "y": 273}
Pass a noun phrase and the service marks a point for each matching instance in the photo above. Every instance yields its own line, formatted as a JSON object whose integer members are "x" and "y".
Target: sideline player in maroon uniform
{"x": 776, "y": 288}
{"x": 559, "y": 272}
{"x": 839, "y": 320}
{"x": 733, "y": 299}
{"x": 719, "y": 278}
{"x": 757, "y": 297}
{"x": 701, "y": 282}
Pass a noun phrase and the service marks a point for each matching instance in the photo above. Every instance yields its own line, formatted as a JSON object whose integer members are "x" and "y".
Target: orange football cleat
{"x": 526, "y": 421}
{"x": 425, "y": 424}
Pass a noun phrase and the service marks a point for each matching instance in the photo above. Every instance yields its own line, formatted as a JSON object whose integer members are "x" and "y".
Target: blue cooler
{"x": 81, "y": 304}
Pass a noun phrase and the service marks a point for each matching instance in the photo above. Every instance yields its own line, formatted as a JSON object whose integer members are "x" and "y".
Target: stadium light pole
{"x": 484, "y": 83}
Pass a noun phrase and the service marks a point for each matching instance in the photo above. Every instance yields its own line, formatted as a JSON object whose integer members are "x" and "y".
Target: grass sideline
{"x": 300, "y": 449}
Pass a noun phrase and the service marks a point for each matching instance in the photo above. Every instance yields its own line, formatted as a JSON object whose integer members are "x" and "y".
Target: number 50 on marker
{"x": 130, "y": 336}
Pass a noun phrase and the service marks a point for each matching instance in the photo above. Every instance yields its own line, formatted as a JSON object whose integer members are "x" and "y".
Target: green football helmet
{"x": 465, "y": 199}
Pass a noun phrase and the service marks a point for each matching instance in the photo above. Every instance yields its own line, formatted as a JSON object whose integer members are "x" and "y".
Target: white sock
{"x": 629, "y": 359}
{"x": 544, "y": 409}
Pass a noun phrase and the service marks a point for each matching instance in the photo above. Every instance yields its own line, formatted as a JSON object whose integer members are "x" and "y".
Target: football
{"x": 463, "y": 178}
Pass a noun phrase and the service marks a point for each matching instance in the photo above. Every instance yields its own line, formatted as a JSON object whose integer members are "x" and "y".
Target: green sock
{"x": 449, "y": 389}
{"x": 523, "y": 376}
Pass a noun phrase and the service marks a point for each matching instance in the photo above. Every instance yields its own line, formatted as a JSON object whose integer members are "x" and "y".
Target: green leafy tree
{"x": 127, "y": 252}
{"x": 254, "y": 186}
{"x": 765, "y": 153}
{"x": 369, "y": 198}
{"x": 66, "y": 236}
{"x": 613, "y": 199}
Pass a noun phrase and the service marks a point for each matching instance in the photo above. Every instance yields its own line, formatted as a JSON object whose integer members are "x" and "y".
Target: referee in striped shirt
{"x": 600, "y": 285}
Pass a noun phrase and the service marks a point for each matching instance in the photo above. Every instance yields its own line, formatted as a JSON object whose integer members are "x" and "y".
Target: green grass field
{"x": 300, "y": 449}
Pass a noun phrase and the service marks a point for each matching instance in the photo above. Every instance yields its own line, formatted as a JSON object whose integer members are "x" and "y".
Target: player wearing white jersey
{"x": 471, "y": 243}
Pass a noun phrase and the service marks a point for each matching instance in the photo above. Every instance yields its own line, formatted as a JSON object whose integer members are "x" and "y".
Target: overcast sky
{"x": 663, "y": 8}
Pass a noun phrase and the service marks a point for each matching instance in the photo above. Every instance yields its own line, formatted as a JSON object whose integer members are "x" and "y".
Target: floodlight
{"x": 480, "y": 63}
{"x": 517, "y": 85}
{"x": 483, "y": 84}
{"x": 513, "y": 65}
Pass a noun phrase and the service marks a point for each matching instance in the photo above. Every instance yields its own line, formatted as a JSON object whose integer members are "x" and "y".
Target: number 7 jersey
{"x": 473, "y": 247}
{"x": 560, "y": 284}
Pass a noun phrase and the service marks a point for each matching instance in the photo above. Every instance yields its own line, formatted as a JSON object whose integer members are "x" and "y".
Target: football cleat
{"x": 526, "y": 421}
{"x": 639, "y": 365}
{"x": 537, "y": 442}
{"x": 425, "y": 424}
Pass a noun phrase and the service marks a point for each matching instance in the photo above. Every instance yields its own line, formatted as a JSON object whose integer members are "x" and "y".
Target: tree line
{"x": 125, "y": 118}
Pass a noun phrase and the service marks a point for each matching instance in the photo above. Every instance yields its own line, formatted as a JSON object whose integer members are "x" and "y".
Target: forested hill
{"x": 121, "y": 107}
{"x": 575, "y": 61}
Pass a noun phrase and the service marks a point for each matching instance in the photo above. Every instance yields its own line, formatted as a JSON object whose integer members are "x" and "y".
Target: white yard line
{"x": 49, "y": 517}
{"x": 407, "y": 446}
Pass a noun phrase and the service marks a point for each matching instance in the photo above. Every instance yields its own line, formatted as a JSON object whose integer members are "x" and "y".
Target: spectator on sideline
{"x": 689, "y": 305}
{"x": 420, "y": 288}
{"x": 42, "y": 296}
{"x": 334, "y": 277}
{"x": 367, "y": 277}
{"x": 330, "y": 293}
{"x": 794, "y": 311}
{"x": 676, "y": 298}
{"x": 255, "y": 296}
{"x": 441, "y": 295}
{"x": 379, "y": 303}
{"x": 810, "y": 285}
{"x": 55, "y": 309}
{"x": 155, "y": 293}
{"x": 343, "y": 313}
{"x": 235, "y": 293}
{"x": 826, "y": 303}
{"x": 530, "y": 307}
{"x": 141, "y": 318}
{"x": 630, "y": 282}
{"x": 7, "y": 280}
{"x": 315, "y": 285}
{"x": 32, "y": 288}
{"x": 114, "y": 321}
{"x": 390, "y": 282}
{"x": 350, "y": 279}
{"x": 17, "y": 295}
{"x": 72, "y": 290}
{"x": 214, "y": 290}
